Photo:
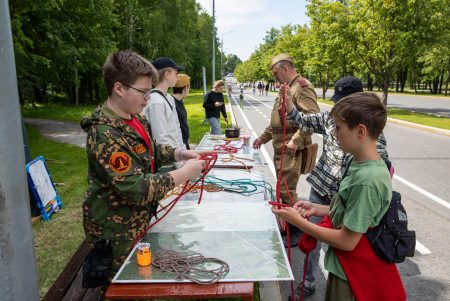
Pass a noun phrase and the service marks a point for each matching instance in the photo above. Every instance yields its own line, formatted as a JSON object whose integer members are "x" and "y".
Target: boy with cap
{"x": 326, "y": 175}
{"x": 124, "y": 190}
{"x": 161, "y": 110}
{"x": 180, "y": 91}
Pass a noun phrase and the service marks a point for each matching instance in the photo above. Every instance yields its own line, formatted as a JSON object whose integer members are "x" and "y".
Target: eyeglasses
{"x": 145, "y": 93}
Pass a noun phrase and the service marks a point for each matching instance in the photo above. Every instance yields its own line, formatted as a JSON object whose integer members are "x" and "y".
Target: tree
{"x": 230, "y": 62}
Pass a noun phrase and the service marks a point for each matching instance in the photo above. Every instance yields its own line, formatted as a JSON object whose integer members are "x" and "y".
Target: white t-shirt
{"x": 164, "y": 120}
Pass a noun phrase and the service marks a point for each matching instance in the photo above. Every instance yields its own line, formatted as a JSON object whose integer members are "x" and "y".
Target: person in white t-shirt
{"x": 161, "y": 110}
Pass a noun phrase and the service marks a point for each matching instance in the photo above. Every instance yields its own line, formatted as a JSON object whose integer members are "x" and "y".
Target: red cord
{"x": 228, "y": 148}
{"x": 210, "y": 162}
{"x": 278, "y": 202}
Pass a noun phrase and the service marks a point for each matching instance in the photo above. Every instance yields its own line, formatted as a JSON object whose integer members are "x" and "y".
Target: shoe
{"x": 308, "y": 291}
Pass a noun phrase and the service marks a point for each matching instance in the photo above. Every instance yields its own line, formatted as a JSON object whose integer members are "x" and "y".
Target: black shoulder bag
{"x": 390, "y": 239}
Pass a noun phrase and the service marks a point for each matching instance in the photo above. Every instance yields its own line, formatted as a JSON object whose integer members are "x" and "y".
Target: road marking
{"x": 259, "y": 101}
{"x": 263, "y": 149}
{"x": 422, "y": 249}
{"x": 419, "y": 247}
{"x": 233, "y": 119}
{"x": 322, "y": 263}
{"x": 423, "y": 191}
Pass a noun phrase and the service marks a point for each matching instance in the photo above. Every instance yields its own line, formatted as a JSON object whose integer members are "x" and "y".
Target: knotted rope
{"x": 189, "y": 267}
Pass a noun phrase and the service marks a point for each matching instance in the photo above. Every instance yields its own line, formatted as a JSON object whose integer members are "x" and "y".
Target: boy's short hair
{"x": 362, "y": 108}
{"x": 162, "y": 72}
{"x": 126, "y": 67}
{"x": 179, "y": 90}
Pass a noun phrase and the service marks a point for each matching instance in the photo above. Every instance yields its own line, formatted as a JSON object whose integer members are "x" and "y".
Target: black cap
{"x": 165, "y": 62}
{"x": 346, "y": 86}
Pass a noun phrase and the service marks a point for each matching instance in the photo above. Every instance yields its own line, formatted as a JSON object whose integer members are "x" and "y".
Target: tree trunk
{"x": 441, "y": 81}
{"x": 446, "y": 85}
{"x": 397, "y": 81}
{"x": 96, "y": 91}
{"x": 403, "y": 79}
{"x": 385, "y": 91}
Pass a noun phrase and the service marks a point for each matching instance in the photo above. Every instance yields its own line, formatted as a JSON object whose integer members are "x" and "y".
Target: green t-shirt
{"x": 363, "y": 198}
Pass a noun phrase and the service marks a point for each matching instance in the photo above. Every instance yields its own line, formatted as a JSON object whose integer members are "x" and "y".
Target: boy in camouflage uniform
{"x": 124, "y": 188}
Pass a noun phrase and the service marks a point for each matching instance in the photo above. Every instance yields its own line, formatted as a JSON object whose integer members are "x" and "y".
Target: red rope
{"x": 280, "y": 180}
{"x": 228, "y": 148}
{"x": 210, "y": 162}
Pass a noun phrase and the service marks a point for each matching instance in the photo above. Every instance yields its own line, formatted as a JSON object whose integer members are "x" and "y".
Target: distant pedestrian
{"x": 259, "y": 88}
{"x": 214, "y": 105}
{"x": 267, "y": 89}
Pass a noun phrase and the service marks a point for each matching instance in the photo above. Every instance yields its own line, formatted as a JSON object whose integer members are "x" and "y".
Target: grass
{"x": 57, "y": 240}
{"x": 57, "y": 112}
{"x": 193, "y": 103}
{"x": 196, "y": 116}
{"x": 420, "y": 118}
{"x": 414, "y": 117}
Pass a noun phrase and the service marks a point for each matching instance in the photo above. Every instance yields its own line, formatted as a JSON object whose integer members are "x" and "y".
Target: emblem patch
{"x": 120, "y": 162}
{"x": 140, "y": 149}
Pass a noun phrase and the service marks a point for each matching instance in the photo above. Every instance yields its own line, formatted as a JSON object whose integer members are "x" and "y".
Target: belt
{"x": 280, "y": 130}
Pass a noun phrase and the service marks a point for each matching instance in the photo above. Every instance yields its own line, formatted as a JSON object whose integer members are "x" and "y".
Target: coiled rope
{"x": 191, "y": 267}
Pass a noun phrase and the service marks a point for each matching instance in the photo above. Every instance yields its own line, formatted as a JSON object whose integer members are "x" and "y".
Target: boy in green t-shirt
{"x": 364, "y": 194}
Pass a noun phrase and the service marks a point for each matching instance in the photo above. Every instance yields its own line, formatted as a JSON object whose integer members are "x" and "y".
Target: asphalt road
{"x": 435, "y": 105}
{"x": 422, "y": 175}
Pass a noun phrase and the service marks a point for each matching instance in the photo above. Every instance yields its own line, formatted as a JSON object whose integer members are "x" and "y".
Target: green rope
{"x": 245, "y": 187}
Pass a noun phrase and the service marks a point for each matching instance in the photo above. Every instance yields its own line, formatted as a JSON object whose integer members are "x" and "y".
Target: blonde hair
{"x": 219, "y": 83}
{"x": 162, "y": 73}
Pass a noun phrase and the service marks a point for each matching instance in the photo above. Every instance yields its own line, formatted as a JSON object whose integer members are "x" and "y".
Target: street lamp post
{"x": 221, "y": 56}
{"x": 213, "y": 45}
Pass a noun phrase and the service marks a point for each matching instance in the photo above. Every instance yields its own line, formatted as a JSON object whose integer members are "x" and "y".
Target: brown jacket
{"x": 305, "y": 100}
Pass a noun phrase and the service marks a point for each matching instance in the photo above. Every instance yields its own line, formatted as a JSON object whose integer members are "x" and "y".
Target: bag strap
{"x": 162, "y": 94}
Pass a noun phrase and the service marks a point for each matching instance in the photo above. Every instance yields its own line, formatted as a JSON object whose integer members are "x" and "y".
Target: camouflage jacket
{"x": 122, "y": 193}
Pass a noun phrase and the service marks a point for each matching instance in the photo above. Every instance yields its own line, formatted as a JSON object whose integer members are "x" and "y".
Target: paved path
{"x": 435, "y": 105}
{"x": 61, "y": 131}
{"x": 422, "y": 163}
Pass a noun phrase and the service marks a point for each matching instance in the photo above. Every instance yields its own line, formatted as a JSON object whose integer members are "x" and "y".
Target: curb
{"x": 420, "y": 127}
{"x": 417, "y": 126}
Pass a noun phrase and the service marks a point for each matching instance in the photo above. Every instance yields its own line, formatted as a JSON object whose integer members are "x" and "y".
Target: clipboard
{"x": 42, "y": 187}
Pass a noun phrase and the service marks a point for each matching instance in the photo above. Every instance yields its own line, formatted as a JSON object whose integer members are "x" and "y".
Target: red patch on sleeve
{"x": 120, "y": 162}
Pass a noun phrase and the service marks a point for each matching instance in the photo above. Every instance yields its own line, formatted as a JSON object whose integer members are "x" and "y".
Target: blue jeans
{"x": 313, "y": 260}
{"x": 215, "y": 126}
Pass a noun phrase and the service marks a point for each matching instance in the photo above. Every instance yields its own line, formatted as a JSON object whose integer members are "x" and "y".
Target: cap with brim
{"x": 183, "y": 81}
{"x": 346, "y": 86}
{"x": 166, "y": 62}
{"x": 281, "y": 57}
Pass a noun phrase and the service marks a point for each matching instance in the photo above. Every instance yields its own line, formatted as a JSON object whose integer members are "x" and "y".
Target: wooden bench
{"x": 183, "y": 291}
{"x": 68, "y": 285}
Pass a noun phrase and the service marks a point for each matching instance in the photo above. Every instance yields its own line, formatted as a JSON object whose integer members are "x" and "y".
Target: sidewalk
{"x": 60, "y": 131}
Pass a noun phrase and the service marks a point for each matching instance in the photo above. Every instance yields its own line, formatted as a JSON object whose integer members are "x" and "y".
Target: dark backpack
{"x": 391, "y": 240}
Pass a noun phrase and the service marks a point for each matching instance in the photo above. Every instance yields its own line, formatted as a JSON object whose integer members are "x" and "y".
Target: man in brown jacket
{"x": 305, "y": 100}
